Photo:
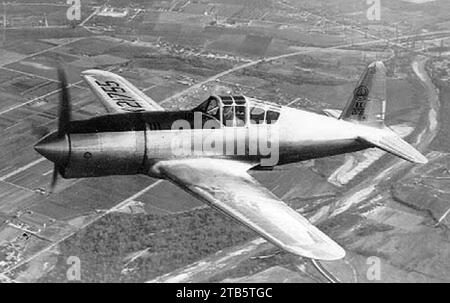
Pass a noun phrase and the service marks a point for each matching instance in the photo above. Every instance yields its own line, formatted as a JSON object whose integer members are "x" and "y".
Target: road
{"x": 301, "y": 52}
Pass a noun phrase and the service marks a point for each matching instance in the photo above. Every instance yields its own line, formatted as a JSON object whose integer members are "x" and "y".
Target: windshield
{"x": 210, "y": 107}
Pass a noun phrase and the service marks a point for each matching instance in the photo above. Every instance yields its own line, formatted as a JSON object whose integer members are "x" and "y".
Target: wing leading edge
{"x": 226, "y": 185}
{"x": 117, "y": 94}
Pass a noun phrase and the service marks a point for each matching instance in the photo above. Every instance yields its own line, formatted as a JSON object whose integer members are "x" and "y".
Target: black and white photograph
{"x": 237, "y": 142}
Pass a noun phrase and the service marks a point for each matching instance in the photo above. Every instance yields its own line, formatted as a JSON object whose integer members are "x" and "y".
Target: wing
{"x": 118, "y": 94}
{"x": 227, "y": 186}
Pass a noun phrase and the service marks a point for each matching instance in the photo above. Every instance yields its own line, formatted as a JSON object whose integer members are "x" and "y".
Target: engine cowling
{"x": 103, "y": 154}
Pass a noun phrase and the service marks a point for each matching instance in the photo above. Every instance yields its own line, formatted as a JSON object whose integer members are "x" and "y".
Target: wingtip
{"x": 97, "y": 72}
{"x": 331, "y": 252}
{"x": 89, "y": 72}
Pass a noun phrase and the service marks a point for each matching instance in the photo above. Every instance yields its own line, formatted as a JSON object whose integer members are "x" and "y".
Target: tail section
{"x": 367, "y": 104}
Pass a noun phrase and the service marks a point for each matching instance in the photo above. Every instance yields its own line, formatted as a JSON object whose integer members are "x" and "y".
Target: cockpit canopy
{"x": 239, "y": 111}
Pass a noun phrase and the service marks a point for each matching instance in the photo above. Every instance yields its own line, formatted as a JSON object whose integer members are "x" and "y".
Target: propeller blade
{"x": 64, "y": 105}
{"x": 39, "y": 132}
{"x": 54, "y": 178}
{"x": 64, "y": 118}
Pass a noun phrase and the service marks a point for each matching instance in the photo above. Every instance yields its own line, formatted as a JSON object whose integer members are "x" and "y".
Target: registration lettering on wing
{"x": 120, "y": 95}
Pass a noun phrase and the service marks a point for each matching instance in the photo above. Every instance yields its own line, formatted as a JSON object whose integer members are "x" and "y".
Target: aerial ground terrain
{"x": 390, "y": 216}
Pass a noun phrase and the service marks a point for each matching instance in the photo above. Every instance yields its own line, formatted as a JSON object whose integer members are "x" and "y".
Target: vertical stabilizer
{"x": 367, "y": 104}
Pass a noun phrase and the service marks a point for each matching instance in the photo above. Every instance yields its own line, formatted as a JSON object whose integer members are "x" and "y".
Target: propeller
{"x": 55, "y": 146}
{"x": 54, "y": 177}
{"x": 64, "y": 117}
{"x": 39, "y": 131}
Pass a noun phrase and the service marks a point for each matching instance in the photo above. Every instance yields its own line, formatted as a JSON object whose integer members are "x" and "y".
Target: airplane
{"x": 137, "y": 137}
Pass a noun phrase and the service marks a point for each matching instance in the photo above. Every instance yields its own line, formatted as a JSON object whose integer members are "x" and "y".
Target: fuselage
{"x": 132, "y": 143}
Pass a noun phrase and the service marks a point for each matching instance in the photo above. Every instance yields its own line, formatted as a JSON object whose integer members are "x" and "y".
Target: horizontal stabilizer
{"x": 395, "y": 145}
{"x": 335, "y": 113}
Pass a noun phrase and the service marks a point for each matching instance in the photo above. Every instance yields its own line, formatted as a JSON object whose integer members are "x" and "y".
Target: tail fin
{"x": 367, "y": 104}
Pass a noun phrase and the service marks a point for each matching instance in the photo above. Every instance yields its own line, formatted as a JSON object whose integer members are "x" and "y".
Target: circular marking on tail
{"x": 361, "y": 92}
